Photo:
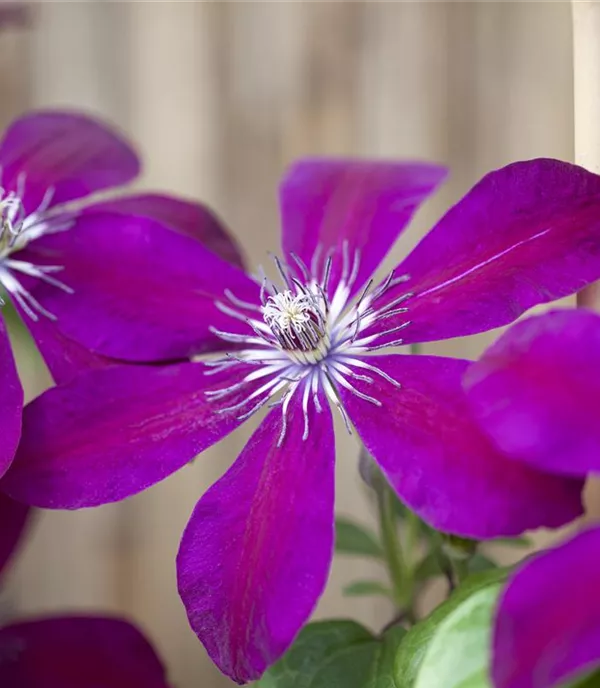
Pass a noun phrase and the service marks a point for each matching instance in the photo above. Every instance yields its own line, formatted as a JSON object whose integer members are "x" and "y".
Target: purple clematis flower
{"x": 255, "y": 555}
{"x": 69, "y": 651}
{"x": 536, "y": 390}
{"x": 51, "y": 165}
{"x": 78, "y": 652}
{"x": 547, "y": 625}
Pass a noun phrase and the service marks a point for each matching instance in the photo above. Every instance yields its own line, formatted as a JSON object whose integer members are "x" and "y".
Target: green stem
{"x": 460, "y": 569}
{"x": 391, "y": 541}
{"x": 401, "y": 574}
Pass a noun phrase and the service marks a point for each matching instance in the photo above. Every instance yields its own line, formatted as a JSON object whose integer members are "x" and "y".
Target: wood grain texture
{"x": 220, "y": 97}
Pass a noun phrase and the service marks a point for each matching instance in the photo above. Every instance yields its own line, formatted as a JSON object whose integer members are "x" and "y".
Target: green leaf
{"x": 458, "y": 655}
{"x": 366, "y": 665}
{"x": 315, "y": 644}
{"x": 361, "y": 588}
{"x": 351, "y": 538}
{"x": 414, "y": 644}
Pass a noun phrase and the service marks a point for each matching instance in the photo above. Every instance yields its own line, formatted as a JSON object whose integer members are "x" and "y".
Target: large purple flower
{"x": 547, "y": 625}
{"x": 255, "y": 556}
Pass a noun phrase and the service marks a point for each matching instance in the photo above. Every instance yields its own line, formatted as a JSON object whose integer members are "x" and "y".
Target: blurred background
{"x": 220, "y": 97}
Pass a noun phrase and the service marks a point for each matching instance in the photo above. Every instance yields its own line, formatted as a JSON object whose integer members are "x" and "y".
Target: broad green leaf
{"x": 458, "y": 655}
{"x": 315, "y": 644}
{"x": 350, "y": 538}
{"x": 414, "y": 644}
{"x": 366, "y": 665}
{"x": 361, "y": 588}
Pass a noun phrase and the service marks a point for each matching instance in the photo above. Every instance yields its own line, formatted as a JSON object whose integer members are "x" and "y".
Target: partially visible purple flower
{"x": 536, "y": 392}
{"x": 52, "y": 166}
{"x": 69, "y": 651}
{"x": 255, "y": 556}
{"x": 547, "y": 625}
{"x": 78, "y": 652}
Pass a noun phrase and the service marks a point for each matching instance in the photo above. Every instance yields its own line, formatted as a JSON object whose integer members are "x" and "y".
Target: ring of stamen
{"x": 307, "y": 339}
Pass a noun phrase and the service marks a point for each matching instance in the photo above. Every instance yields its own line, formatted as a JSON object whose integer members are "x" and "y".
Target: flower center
{"x": 310, "y": 337}
{"x": 298, "y": 321}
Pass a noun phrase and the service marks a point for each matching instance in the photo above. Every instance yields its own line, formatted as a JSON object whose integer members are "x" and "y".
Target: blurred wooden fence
{"x": 219, "y": 97}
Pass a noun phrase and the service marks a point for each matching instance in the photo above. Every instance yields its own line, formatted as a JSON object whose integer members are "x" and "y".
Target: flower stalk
{"x": 398, "y": 560}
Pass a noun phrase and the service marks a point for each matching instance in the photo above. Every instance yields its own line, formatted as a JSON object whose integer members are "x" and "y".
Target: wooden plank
{"x": 71, "y": 561}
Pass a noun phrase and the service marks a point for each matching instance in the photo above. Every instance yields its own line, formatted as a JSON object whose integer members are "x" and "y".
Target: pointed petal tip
{"x": 255, "y": 555}
{"x": 525, "y": 234}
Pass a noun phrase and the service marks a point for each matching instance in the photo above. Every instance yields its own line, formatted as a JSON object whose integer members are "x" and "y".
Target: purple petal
{"x": 13, "y": 517}
{"x": 547, "y": 627}
{"x": 255, "y": 555}
{"x": 64, "y": 357}
{"x": 141, "y": 291}
{"x": 187, "y": 217}
{"x": 114, "y": 432}
{"x": 11, "y": 402}
{"x": 72, "y": 153}
{"x": 365, "y": 204}
{"x": 441, "y": 464}
{"x": 78, "y": 652}
{"x": 536, "y": 390}
{"x": 526, "y": 234}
